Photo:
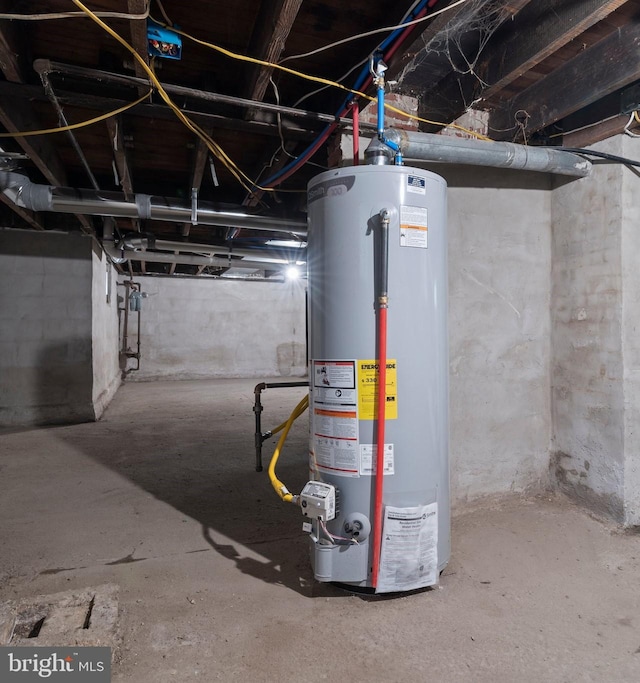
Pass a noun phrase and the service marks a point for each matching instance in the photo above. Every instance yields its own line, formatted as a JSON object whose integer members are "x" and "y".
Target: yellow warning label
{"x": 368, "y": 390}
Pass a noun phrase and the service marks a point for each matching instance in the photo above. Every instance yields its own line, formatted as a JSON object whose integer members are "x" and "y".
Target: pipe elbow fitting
{"x": 397, "y": 137}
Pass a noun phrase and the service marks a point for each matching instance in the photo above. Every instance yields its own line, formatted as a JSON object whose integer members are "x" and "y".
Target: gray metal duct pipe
{"x": 430, "y": 147}
{"x": 120, "y": 254}
{"x": 283, "y": 256}
{"x": 36, "y": 197}
{"x": 195, "y": 260}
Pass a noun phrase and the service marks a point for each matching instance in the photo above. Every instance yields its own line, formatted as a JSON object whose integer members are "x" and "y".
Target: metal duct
{"x": 133, "y": 249}
{"x": 440, "y": 148}
{"x": 28, "y": 195}
{"x": 280, "y": 256}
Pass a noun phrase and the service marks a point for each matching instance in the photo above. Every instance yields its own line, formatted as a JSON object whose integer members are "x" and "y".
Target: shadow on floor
{"x": 195, "y": 452}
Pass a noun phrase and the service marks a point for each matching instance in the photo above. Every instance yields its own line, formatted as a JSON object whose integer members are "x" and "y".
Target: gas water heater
{"x": 367, "y": 223}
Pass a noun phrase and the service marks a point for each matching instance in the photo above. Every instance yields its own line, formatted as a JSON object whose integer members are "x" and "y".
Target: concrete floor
{"x": 161, "y": 498}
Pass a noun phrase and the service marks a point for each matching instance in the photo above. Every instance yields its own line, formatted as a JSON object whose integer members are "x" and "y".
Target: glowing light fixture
{"x": 292, "y": 273}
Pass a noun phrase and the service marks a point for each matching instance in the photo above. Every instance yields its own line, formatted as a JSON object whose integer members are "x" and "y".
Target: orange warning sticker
{"x": 414, "y": 231}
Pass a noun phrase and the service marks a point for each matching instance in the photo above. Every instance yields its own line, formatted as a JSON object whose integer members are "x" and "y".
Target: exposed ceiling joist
{"x": 596, "y": 132}
{"x": 197, "y": 173}
{"x": 27, "y": 216}
{"x": 155, "y": 111}
{"x": 537, "y": 31}
{"x": 12, "y": 61}
{"x": 604, "y": 68}
{"x": 17, "y": 116}
{"x": 116, "y": 135}
{"x": 412, "y": 69}
{"x": 271, "y": 30}
{"x": 197, "y": 170}
{"x": 115, "y": 128}
{"x": 138, "y": 30}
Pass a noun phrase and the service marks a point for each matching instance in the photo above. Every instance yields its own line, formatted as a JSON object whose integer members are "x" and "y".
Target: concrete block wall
{"x": 45, "y": 328}
{"x": 105, "y": 332}
{"x": 596, "y": 352}
{"x": 631, "y": 331}
{"x": 51, "y": 333}
{"x": 499, "y": 331}
{"x": 193, "y": 328}
{"x": 587, "y": 367}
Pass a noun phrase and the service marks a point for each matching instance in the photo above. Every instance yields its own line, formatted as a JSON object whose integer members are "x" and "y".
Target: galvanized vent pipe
{"x": 134, "y": 249}
{"x": 285, "y": 256}
{"x": 26, "y": 194}
{"x": 36, "y": 197}
{"x": 450, "y": 150}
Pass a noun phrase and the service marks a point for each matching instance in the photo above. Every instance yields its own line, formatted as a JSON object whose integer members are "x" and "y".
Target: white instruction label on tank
{"x": 334, "y": 418}
{"x": 414, "y": 230}
{"x": 334, "y": 374}
{"x": 368, "y": 455}
{"x": 409, "y": 552}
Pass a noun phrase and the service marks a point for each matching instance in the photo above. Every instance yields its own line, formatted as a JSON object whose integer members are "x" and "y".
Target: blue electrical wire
{"x": 362, "y": 76}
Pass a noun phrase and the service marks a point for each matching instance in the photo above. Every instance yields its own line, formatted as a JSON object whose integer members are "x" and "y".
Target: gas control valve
{"x": 318, "y": 501}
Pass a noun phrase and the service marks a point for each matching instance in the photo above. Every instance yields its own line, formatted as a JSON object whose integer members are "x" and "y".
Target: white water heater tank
{"x": 345, "y": 207}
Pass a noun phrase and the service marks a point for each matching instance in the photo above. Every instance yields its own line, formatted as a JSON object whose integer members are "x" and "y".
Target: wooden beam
{"x": 272, "y": 27}
{"x": 410, "y": 69}
{"x": 537, "y": 30}
{"x": 596, "y": 132}
{"x": 16, "y": 115}
{"x": 12, "y": 52}
{"x": 115, "y": 128}
{"x": 157, "y": 111}
{"x": 609, "y": 65}
{"x": 199, "y": 163}
{"x": 12, "y": 64}
{"x": 138, "y": 31}
{"x": 28, "y": 216}
{"x": 197, "y": 174}
{"x": 116, "y": 137}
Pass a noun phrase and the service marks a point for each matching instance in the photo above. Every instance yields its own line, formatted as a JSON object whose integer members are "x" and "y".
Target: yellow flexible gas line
{"x": 278, "y": 486}
{"x": 282, "y": 425}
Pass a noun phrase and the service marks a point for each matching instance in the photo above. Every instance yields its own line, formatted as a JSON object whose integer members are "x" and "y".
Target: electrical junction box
{"x": 163, "y": 42}
{"x": 318, "y": 501}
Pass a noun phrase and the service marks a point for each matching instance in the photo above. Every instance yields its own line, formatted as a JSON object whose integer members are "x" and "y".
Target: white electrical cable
{"x": 324, "y": 87}
{"x": 626, "y": 128}
{"x": 73, "y": 15}
{"x": 282, "y": 147}
{"x": 333, "y": 537}
{"x": 164, "y": 14}
{"x": 353, "y": 68}
{"x": 386, "y": 29}
{"x": 577, "y": 130}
